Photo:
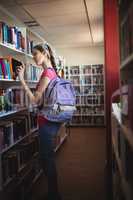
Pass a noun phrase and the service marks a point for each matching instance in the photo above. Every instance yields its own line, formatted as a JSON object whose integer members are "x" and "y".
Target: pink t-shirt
{"x": 50, "y": 73}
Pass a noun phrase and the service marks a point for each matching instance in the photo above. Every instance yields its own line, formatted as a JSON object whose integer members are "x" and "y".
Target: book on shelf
{"x": 33, "y": 120}
{"x": 126, "y": 32}
{"x": 75, "y": 80}
{"x": 74, "y": 70}
{"x": 89, "y": 87}
{"x": 77, "y": 90}
{"x": 21, "y": 127}
{"x": 26, "y": 151}
{"x": 86, "y": 80}
{"x": 127, "y": 108}
{"x": 30, "y": 45}
{"x": 97, "y": 79}
{"x": 8, "y": 68}
{"x": 11, "y": 132}
{"x": 33, "y": 73}
{"x": 9, "y": 166}
{"x": 87, "y": 69}
{"x": 6, "y": 135}
{"x": 12, "y": 36}
{"x": 97, "y": 69}
{"x": 12, "y": 99}
{"x": 99, "y": 120}
{"x": 17, "y": 159}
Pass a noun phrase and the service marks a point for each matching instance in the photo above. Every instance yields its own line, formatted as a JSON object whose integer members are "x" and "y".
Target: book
{"x": 1, "y": 32}
{"x": 3, "y": 69}
{"x": 33, "y": 120}
{"x": 20, "y": 127}
{"x": 7, "y": 131}
{"x": 1, "y": 72}
{"x": 1, "y": 138}
{"x": 9, "y": 166}
{"x": 30, "y": 45}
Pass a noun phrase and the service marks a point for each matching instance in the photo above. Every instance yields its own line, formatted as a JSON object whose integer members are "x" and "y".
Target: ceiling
{"x": 63, "y": 23}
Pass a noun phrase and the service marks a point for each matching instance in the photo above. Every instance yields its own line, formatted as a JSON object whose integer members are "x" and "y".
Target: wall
{"x": 80, "y": 55}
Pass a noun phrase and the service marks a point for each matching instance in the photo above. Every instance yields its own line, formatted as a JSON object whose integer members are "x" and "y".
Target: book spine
{"x": 7, "y": 66}
{"x": 2, "y": 66}
{"x": 1, "y": 32}
{"x": 1, "y": 72}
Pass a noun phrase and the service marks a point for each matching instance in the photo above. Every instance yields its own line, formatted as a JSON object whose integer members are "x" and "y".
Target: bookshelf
{"x": 88, "y": 81}
{"x": 19, "y": 144}
{"x": 122, "y": 109}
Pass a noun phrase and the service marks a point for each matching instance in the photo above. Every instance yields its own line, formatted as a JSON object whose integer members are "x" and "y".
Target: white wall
{"x": 82, "y": 55}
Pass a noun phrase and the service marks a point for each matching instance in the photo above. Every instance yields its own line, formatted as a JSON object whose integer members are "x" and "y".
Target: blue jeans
{"x": 47, "y": 132}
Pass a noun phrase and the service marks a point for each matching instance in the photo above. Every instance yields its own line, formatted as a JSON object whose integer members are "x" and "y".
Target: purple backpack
{"x": 59, "y": 101}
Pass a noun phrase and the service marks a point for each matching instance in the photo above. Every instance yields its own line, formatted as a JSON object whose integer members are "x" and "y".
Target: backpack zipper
{"x": 54, "y": 86}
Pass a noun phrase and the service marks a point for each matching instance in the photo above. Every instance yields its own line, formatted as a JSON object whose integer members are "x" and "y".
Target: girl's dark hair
{"x": 46, "y": 48}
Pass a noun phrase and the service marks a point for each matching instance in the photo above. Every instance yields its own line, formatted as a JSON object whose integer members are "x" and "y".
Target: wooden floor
{"x": 81, "y": 166}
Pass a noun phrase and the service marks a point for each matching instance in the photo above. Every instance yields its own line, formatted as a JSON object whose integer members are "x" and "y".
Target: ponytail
{"x": 52, "y": 57}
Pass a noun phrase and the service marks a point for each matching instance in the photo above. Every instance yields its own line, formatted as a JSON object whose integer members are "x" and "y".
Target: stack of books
{"x": 12, "y": 36}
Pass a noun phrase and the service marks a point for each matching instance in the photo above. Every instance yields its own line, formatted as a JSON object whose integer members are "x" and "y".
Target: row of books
{"x": 75, "y": 70}
{"x": 13, "y": 99}
{"x": 10, "y": 132}
{"x": 93, "y": 69}
{"x": 14, "y": 160}
{"x": 33, "y": 73}
{"x": 86, "y": 70}
{"x": 75, "y": 80}
{"x": 8, "y": 70}
{"x": 97, "y": 69}
{"x": 89, "y": 90}
{"x": 88, "y": 110}
{"x": 90, "y": 100}
{"x": 127, "y": 35}
{"x": 92, "y": 80}
{"x": 13, "y": 36}
{"x": 88, "y": 120}
{"x": 8, "y": 67}
{"x": 95, "y": 80}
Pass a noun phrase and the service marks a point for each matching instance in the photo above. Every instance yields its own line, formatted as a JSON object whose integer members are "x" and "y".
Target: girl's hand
{"x": 20, "y": 71}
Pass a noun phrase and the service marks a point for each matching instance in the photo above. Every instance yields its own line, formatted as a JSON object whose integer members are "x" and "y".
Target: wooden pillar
{"x": 112, "y": 69}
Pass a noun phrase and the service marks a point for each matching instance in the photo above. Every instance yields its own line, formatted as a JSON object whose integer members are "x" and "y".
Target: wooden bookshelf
{"x": 126, "y": 186}
{"x": 127, "y": 61}
{"x": 122, "y": 131}
{"x": 88, "y": 81}
{"x": 31, "y": 132}
{"x": 11, "y": 113}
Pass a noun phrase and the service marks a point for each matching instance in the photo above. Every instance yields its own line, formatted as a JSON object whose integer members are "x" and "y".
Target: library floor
{"x": 81, "y": 163}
